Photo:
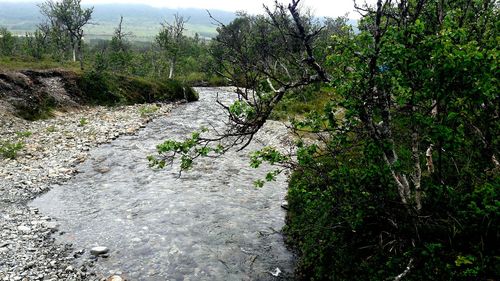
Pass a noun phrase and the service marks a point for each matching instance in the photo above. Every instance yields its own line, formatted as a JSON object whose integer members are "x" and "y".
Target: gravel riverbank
{"x": 52, "y": 149}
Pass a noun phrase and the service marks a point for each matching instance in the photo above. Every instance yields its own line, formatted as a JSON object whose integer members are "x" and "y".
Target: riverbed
{"x": 210, "y": 223}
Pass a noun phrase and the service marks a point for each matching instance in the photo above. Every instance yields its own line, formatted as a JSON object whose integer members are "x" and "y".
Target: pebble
{"x": 24, "y": 228}
{"x": 99, "y": 250}
{"x": 276, "y": 272}
{"x": 103, "y": 170}
{"x": 284, "y": 204}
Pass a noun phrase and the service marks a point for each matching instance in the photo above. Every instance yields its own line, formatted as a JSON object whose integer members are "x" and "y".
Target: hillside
{"x": 142, "y": 20}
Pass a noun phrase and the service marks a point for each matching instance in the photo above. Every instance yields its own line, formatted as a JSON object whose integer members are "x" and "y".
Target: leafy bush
{"x": 345, "y": 220}
{"x": 408, "y": 177}
{"x": 10, "y": 149}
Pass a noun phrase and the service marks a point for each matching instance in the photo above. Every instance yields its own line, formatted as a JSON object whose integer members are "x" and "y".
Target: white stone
{"x": 115, "y": 278}
{"x": 99, "y": 250}
{"x": 24, "y": 228}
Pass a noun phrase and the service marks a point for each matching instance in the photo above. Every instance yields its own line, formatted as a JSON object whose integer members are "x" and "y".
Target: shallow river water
{"x": 209, "y": 224}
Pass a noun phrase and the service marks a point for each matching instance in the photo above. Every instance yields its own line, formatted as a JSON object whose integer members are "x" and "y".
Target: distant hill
{"x": 142, "y": 20}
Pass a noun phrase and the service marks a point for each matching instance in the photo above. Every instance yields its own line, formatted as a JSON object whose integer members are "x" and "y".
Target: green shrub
{"x": 346, "y": 221}
{"x": 10, "y": 149}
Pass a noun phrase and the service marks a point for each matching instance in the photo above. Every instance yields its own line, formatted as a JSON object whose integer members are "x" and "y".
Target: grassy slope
{"x": 17, "y": 63}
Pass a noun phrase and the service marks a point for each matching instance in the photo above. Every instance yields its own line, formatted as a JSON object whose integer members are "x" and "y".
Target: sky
{"x": 331, "y": 8}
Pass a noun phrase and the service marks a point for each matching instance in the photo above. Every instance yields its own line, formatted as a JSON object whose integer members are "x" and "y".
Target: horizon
{"x": 318, "y": 7}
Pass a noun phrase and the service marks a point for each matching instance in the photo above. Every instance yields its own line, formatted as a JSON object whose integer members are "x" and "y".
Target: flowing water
{"x": 209, "y": 224}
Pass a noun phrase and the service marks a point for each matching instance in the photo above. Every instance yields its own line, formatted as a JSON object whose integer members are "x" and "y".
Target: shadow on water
{"x": 209, "y": 224}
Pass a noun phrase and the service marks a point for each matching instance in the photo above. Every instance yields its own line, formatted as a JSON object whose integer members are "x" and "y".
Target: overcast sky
{"x": 331, "y": 8}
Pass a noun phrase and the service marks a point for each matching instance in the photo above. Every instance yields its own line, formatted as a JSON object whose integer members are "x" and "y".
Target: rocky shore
{"x": 50, "y": 151}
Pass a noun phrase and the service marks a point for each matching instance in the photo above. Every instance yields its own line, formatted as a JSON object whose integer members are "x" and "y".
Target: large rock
{"x": 115, "y": 278}
{"x": 99, "y": 250}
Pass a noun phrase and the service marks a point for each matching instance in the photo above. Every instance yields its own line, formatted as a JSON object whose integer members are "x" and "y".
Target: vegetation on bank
{"x": 398, "y": 174}
{"x": 105, "y": 88}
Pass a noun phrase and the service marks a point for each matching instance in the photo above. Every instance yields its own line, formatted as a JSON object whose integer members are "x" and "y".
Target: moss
{"x": 97, "y": 88}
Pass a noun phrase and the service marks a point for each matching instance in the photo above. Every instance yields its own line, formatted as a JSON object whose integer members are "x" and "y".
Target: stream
{"x": 210, "y": 223}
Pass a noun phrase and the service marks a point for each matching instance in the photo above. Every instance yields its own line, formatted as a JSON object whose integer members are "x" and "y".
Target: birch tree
{"x": 170, "y": 39}
{"x": 71, "y": 18}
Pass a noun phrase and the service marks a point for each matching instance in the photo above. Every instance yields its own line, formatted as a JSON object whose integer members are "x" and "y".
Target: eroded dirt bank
{"x": 30, "y": 94}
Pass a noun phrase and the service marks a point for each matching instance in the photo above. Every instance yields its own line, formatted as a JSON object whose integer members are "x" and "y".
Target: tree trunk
{"x": 80, "y": 53}
{"x": 171, "y": 73}
{"x": 74, "y": 52}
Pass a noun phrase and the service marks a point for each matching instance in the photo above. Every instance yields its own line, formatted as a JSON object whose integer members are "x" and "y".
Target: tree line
{"x": 61, "y": 38}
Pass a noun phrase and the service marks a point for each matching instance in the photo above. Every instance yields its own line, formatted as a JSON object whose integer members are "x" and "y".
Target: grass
{"x": 9, "y": 149}
{"x": 23, "y": 63}
{"x": 24, "y": 134}
{"x": 300, "y": 103}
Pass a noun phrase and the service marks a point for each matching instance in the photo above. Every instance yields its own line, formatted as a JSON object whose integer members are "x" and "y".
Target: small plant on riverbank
{"x": 51, "y": 129}
{"x": 83, "y": 121}
{"x": 10, "y": 149}
{"x": 148, "y": 110}
{"x": 24, "y": 134}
